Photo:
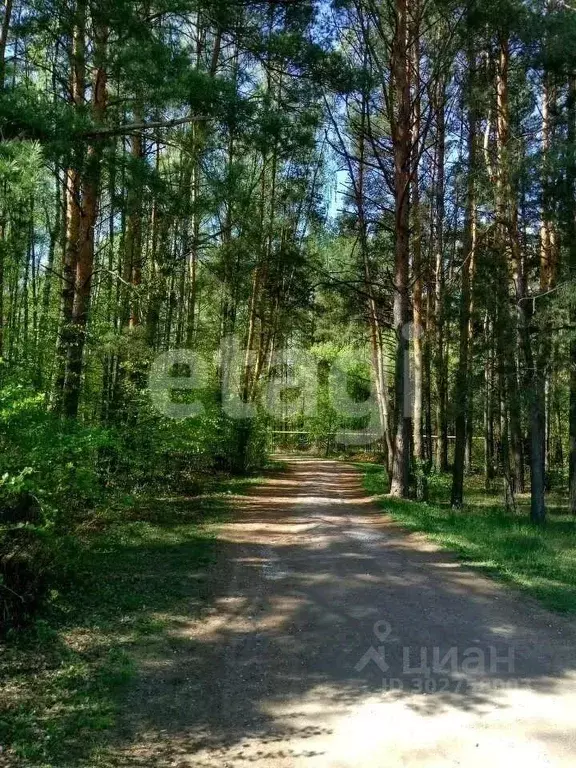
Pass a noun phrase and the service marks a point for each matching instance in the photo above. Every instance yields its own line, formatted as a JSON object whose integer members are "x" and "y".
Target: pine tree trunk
{"x": 549, "y": 252}
{"x": 440, "y": 360}
{"x": 488, "y": 404}
{"x": 157, "y": 293}
{"x": 469, "y": 450}
{"x": 133, "y": 249}
{"x": 549, "y": 256}
{"x": 463, "y": 373}
{"x": 4, "y": 30}
{"x": 43, "y": 328}
{"x": 73, "y": 208}
{"x": 401, "y": 135}
{"x": 2, "y": 257}
{"x": 507, "y": 220}
{"x": 193, "y": 257}
{"x": 89, "y": 208}
{"x": 428, "y": 343}
{"x": 418, "y": 278}
{"x": 374, "y": 321}
{"x": 571, "y": 231}
{"x": 157, "y": 280}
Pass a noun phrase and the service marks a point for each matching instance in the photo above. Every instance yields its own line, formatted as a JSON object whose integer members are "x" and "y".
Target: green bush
{"x": 57, "y": 474}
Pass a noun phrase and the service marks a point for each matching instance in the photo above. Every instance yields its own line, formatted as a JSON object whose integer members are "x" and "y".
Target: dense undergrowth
{"x": 539, "y": 560}
{"x": 60, "y": 479}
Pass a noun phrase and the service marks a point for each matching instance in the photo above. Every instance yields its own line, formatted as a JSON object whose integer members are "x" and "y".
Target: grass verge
{"x": 540, "y": 561}
{"x": 64, "y": 680}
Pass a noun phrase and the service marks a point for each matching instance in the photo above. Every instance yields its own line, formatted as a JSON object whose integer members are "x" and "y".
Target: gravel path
{"x": 336, "y": 640}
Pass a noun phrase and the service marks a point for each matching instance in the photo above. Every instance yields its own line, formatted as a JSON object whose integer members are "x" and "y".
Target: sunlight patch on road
{"x": 393, "y": 730}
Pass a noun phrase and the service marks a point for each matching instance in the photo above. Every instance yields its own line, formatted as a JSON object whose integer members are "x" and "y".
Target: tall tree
{"x": 401, "y": 119}
{"x": 469, "y": 254}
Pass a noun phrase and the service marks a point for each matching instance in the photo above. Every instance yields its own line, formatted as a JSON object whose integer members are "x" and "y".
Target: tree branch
{"x": 118, "y": 130}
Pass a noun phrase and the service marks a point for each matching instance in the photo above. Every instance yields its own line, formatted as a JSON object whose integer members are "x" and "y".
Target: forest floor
{"x": 313, "y": 631}
{"x": 62, "y": 682}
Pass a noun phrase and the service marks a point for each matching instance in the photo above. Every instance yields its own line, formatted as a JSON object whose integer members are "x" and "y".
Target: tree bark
{"x": 509, "y": 243}
{"x": 571, "y": 231}
{"x": 440, "y": 361}
{"x": 73, "y": 208}
{"x": 488, "y": 403}
{"x": 470, "y": 232}
{"x": 418, "y": 277}
{"x": 133, "y": 252}
{"x": 90, "y": 201}
{"x": 401, "y": 136}
{"x": 43, "y": 328}
{"x": 4, "y": 30}
{"x": 549, "y": 254}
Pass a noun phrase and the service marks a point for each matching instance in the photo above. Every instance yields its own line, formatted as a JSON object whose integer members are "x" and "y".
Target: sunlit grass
{"x": 541, "y": 561}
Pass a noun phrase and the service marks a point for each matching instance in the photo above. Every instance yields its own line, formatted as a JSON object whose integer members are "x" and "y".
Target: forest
{"x": 231, "y": 229}
{"x": 350, "y": 224}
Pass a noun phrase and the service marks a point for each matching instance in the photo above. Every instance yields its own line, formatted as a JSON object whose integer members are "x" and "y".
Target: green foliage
{"x": 21, "y": 167}
{"x": 57, "y": 475}
{"x": 53, "y": 461}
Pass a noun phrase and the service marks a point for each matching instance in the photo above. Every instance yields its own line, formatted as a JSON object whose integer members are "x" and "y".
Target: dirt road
{"x": 335, "y": 640}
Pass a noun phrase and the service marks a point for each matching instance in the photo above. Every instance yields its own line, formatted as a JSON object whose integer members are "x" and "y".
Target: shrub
{"x": 55, "y": 474}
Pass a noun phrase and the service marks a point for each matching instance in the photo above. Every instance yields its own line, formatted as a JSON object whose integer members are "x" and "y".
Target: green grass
{"x": 540, "y": 561}
{"x": 135, "y": 569}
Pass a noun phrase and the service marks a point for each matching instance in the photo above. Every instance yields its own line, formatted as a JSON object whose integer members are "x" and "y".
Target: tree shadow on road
{"x": 310, "y": 614}
{"x": 319, "y": 607}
